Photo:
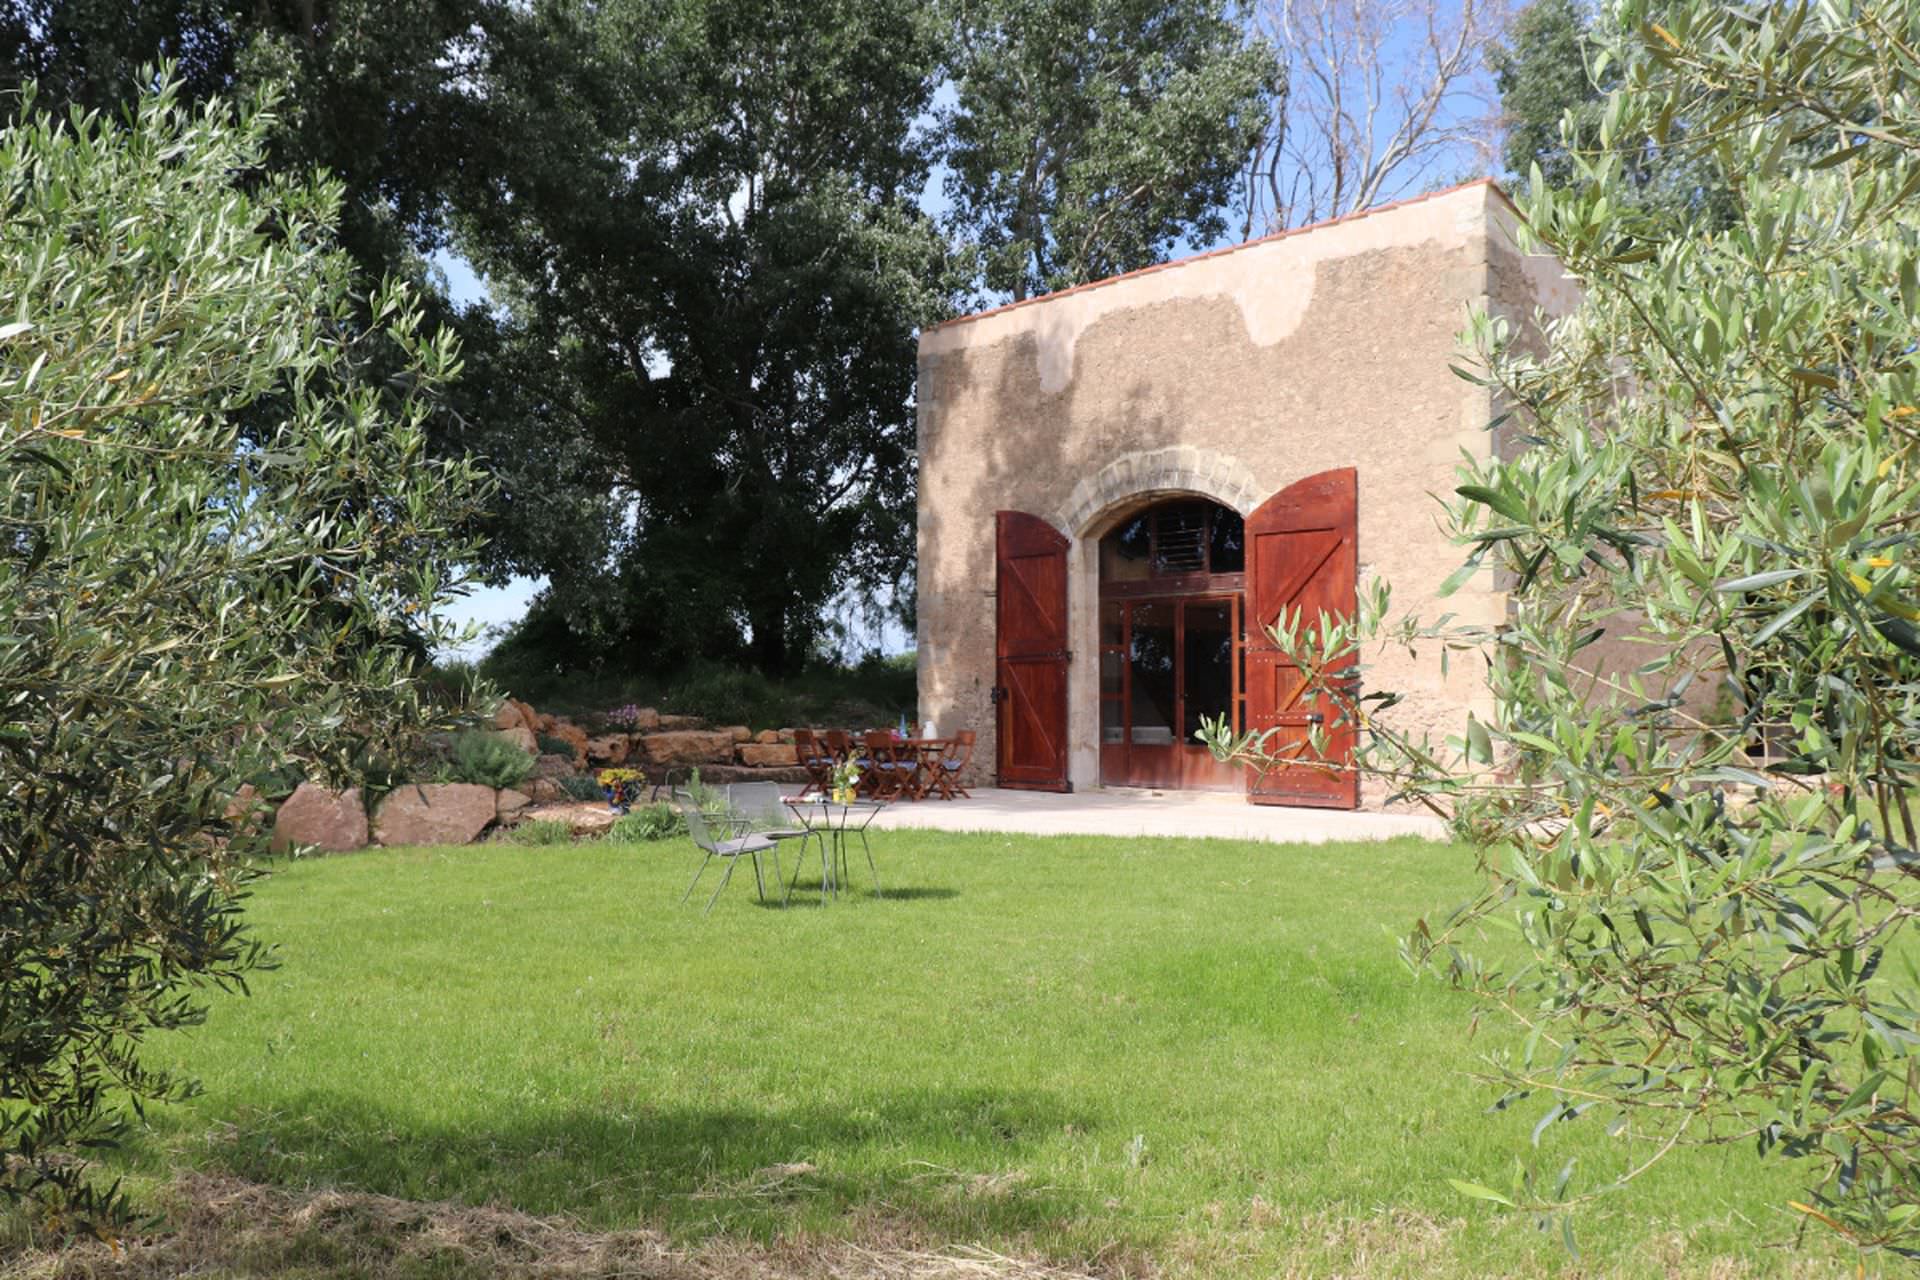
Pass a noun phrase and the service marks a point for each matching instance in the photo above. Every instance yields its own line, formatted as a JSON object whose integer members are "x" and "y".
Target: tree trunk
{"x": 768, "y": 648}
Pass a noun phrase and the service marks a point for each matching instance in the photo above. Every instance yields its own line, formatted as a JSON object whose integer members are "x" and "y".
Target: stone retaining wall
{"x": 317, "y": 819}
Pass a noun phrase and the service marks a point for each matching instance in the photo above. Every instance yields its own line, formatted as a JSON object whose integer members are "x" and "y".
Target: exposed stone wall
{"x": 1229, "y": 377}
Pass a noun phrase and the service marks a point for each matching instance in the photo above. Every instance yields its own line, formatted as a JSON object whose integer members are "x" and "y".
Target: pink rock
{"x": 436, "y": 813}
{"x": 334, "y": 821}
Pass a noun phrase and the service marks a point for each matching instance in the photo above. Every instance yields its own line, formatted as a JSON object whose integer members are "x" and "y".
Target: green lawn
{"x": 1201, "y": 1053}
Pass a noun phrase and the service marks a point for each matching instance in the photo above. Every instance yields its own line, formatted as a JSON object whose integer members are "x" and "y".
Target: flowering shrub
{"x": 621, "y": 786}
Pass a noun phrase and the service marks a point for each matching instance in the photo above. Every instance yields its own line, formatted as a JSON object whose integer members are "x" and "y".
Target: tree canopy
{"x": 702, "y": 225}
{"x": 221, "y": 545}
{"x": 1091, "y": 137}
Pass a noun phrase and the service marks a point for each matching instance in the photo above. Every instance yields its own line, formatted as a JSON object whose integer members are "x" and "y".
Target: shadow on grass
{"x": 806, "y": 895}
{"x": 946, "y": 1162}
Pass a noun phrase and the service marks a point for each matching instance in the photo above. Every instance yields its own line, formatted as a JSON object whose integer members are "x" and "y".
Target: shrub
{"x": 655, "y": 822}
{"x": 1714, "y": 457}
{"x": 726, "y": 695}
{"x": 491, "y": 761}
{"x": 552, "y": 746}
{"x": 224, "y": 547}
{"x": 706, "y": 798}
{"x": 580, "y": 786}
{"x": 541, "y": 831}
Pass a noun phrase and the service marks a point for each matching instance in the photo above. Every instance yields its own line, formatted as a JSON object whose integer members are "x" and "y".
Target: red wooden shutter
{"x": 1302, "y": 554}
{"x": 1030, "y": 671}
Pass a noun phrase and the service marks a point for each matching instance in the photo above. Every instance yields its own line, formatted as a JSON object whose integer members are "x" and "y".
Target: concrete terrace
{"x": 1112, "y": 811}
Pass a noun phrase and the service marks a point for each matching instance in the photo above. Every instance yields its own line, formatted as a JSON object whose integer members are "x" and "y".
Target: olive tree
{"x": 221, "y": 546}
{"x": 1709, "y": 849}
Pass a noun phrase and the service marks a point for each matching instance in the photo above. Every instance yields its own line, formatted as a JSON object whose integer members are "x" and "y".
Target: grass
{"x": 1189, "y": 1057}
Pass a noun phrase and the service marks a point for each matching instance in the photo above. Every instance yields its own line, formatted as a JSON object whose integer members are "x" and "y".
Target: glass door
{"x": 1165, "y": 665}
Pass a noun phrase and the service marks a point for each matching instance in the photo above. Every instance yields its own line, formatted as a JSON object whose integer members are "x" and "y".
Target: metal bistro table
{"x": 831, "y": 823}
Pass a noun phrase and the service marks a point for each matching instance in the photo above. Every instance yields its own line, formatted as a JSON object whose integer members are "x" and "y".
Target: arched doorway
{"x": 1172, "y": 578}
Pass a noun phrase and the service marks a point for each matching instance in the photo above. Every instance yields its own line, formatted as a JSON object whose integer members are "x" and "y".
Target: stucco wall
{"x": 1228, "y": 376}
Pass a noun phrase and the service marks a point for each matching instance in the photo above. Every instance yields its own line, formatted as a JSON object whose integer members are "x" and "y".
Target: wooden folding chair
{"x": 946, "y": 771}
{"x": 839, "y": 748}
{"x": 882, "y": 764}
{"x": 815, "y": 759}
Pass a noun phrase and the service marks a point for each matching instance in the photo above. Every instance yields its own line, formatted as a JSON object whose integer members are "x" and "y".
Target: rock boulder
{"x": 509, "y": 804}
{"x": 554, "y": 765}
{"x": 582, "y": 819}
{"x": 608, "y": 749}
{"x": 509, "y": 716}
{"x": 521, "y": 737}
{"x": 681, "y": 722}
{"x": 436, "y": 813}
{"x": 574, "y": 736}
{"x": 335, "y": 821}
{"x": 688, "y": 746}
{"x": 768, "y": 755}
{"x": 767, "y": 737}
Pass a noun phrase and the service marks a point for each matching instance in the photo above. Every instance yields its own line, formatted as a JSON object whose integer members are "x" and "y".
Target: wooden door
{"x": 1302, "y": 554}
{"x": 1030, "y": 668}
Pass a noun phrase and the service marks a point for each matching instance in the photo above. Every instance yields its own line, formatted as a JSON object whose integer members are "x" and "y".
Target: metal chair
{"x": 760, "y": 805}
{"x": 946, "y": 772}
{"x": 671, "y": 782}
{"x": 730, "y": 850}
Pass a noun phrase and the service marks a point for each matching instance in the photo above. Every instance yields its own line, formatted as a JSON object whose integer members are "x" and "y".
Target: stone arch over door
{"x": 1127, "y": 482}
{"x": 1138, "y": 477}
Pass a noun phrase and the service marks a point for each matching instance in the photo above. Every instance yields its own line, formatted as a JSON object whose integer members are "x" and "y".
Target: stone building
{"x": 1121, "y": 482}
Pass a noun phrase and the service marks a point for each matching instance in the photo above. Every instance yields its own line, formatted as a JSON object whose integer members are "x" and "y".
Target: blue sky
{"x": 485, "y": 606}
